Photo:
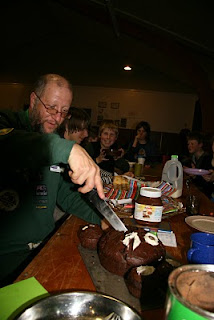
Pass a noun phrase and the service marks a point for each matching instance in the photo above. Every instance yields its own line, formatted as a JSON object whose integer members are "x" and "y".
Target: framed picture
{"x": 117, "y": 122}
{"x": 99, "y": 119}
{"x": 115, "y": 105}
{"x": 123, "y": 122}
{"x": 102, "y": 104}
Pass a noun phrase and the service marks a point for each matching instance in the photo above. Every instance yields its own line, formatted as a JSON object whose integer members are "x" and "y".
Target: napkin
{"x": 17, "y": 296}
{"x": 134, "y": 189}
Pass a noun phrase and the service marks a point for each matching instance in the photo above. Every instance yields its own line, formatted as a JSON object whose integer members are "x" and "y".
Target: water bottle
{"x": 140, "y": 162}
{"x": 173, "y": 174}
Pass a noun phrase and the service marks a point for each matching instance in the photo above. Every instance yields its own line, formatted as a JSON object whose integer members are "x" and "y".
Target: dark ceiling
{"x": 170, "y": 44}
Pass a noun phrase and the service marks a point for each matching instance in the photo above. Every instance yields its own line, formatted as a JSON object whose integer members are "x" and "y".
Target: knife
{"x": 105, "y": 210}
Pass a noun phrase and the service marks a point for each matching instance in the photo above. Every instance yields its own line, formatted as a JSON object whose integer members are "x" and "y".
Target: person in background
{"x": 197, "y": 159}
{"x": 75, "y": 128}
{"x": 100, "y": 151}
{"x": 209, "y": 178}
{"x": 183, "y": 135}
{"x": 143, "y": 144}
{"x": 92, "y": 135}
{"x": 30, "y": 181}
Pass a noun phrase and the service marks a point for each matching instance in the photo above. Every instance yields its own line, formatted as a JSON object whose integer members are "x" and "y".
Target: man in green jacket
{"x": 31, "y": 184}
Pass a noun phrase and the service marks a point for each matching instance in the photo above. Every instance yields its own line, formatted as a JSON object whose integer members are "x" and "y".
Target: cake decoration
{"x": 145, "y": 270}
{"x": 151, "y": 239}
{"x": 131, "y": 236}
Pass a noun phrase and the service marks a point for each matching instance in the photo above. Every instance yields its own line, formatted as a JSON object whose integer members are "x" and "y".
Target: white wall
{"x": 165, "y": 111}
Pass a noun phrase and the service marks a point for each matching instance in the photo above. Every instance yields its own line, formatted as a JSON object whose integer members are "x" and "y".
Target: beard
{"x": 36, "y": 122}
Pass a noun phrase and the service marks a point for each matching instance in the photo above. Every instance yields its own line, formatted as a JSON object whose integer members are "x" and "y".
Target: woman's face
{"x": 141, "y": 132}
{"x": 107, "y": 138}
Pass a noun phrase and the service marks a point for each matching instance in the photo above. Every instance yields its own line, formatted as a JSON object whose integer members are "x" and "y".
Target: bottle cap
{"x": 174, "y": 156}
{"x": 150, "y": 192}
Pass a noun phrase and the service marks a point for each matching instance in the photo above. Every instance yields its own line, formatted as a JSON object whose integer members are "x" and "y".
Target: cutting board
{"x": 114, "y": 285}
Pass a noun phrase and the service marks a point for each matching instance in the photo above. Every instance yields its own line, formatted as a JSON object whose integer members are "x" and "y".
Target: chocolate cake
{"x": 89, "y": 235}
{"x": 138, "y": 277}
{"x": 119, "y": 252}
{"x": 143, "y": 280}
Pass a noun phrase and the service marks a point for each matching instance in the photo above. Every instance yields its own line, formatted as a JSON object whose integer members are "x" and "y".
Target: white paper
{"x": 167, "y": 238}
{"x": 121, "y": 201}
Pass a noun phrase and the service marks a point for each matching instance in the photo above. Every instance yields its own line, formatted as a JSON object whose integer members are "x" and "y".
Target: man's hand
{"x": 84, "y": 171}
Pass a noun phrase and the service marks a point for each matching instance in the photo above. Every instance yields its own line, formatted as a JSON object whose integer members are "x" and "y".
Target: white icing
{"x": 129, "y": 237}
{"x": 140, "y": 269}
{"x": 145, "y": 270}
{"x": 84, "y": 228}
{"x": 150, "y": 238}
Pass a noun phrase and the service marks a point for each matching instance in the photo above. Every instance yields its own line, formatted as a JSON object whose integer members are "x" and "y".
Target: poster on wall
{"x": 115, "y": 105}
{"x": 123, "y": 122}
{"x": 115, "y": 112}
{"x": 102, "y": 105}
{"x": 101, "y": 112}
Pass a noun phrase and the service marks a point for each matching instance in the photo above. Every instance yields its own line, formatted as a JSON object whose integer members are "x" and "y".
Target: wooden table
{"x": 59, "y": 266}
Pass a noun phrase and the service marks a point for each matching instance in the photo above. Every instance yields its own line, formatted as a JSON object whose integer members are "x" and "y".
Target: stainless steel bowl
{"x": 79, "y": 306}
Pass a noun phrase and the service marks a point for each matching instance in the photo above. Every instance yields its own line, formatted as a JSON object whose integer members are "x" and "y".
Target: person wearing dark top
{"x": 30, "y": 186}
{"x": 209, "y": 178}
{"x": 143, "y": 144}
{"x": 75, "y": 128}
{"x": 99, "y": 151}
{"x": 198, "y": 159}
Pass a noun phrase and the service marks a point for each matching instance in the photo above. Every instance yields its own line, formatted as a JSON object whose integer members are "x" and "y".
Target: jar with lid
{"x": 149, "y": 207}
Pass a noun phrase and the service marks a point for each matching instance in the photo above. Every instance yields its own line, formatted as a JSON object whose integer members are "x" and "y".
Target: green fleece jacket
{"x": 29, "y": 190}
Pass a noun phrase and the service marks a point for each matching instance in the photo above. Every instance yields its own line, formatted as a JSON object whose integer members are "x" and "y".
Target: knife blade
{"x": 105, "y": 210}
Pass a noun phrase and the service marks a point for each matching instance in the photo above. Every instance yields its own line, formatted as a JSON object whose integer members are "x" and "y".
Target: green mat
{"x": 16, "y": 297}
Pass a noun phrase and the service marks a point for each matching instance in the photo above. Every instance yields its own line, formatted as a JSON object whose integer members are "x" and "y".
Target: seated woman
{"x": 143, "y": 145}
{"x": 99, "y": 151}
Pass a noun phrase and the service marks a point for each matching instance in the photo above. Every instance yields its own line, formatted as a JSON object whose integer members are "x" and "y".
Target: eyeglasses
{"x": 51, "y": 109}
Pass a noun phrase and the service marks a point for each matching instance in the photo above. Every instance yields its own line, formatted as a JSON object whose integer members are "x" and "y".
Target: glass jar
{"x": 148, "y": 206}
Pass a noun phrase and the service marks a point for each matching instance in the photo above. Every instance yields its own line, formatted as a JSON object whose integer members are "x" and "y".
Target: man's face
{"x": 59, "y": 98}
{"x": 77, "y": 136}
{"x": 194, "y": 146}
{"x": 107, "y": 138}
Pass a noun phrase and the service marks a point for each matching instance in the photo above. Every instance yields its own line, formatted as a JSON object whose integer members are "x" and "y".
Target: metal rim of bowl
{"x": 98, "y": 295}
{"x": 173, "y": 289}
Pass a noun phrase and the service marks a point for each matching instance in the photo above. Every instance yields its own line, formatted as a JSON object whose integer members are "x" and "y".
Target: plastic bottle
{"x": 141, "y": 160}
{"x": 173, "y": 173}
{"x": 141, "y": 156}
